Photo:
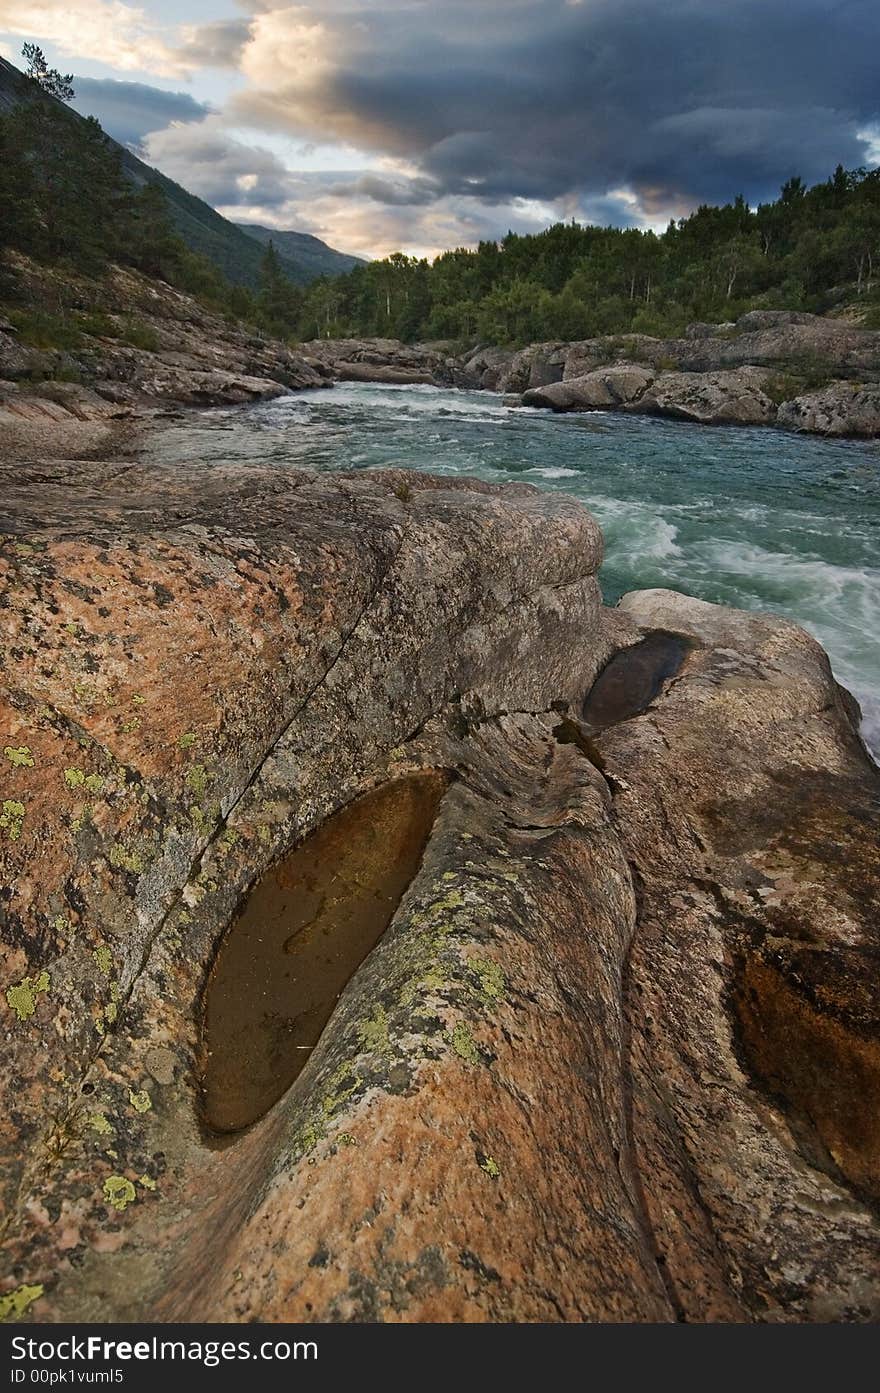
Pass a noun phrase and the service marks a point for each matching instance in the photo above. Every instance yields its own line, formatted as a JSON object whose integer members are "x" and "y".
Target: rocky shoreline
{"x": 146, "y": 349}
{"x": 615, "y": 1057}
{"x": 775, "y": 368}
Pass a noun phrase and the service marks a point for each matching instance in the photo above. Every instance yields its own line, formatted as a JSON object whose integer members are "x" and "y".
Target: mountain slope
{"x": 235, "y": 253}
{"x": 308, "y": 252}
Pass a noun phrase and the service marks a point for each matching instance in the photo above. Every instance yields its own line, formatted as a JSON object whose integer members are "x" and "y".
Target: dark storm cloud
{"x": 686, "y": 100}
{"x": 218, "y": 44}
{"x": 131, "y": 110}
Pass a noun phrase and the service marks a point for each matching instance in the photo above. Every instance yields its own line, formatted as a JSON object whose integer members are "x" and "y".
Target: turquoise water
{"x": 749, "y": 517}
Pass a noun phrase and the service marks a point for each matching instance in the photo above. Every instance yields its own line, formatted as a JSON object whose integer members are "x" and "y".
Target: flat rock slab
{"x": 562, "y": 1086}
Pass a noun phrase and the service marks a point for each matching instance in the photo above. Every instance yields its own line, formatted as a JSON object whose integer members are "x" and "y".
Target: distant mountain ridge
{"x": 235, "y": 250}
{"x": 308, "y": 251}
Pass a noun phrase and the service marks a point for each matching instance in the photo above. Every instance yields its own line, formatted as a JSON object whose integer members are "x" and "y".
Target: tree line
{"x": 64, "y": 198}
{"x": 809, "y": 249}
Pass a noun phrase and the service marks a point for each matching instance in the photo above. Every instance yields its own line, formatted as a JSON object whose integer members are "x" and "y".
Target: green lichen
{"x": 373, "y": 1033}
{"x": 104, "y": 958}
{"x": 490, "y": 1166}
{"x": 346, "y": 1139}
{"x": 119, "y": 1192}
{"x": 462, "y": 1042}
{"x": 137, "y": 699}
{"x": 197, "y": 780}
{"x": 60, "y": 924}
{"x": 19, "y": 756}
{"x": 140, "y": 1101}
{"x": 491, "y": 982}
{"x": 107, "y": 1015}
{"x": 72, "y": 629}
{"x": 129, "y": 726}
{"x": 125, "y": 858}
{"x": 15, "y": 1303}
{"x": 99, "y": 1123}
{"x": 147, "y": 1181}
{"x": 308, "y": 1136}
{"x": 337, "y": 1095}
{"x": 187, "y": 740}
{"x": 76, "y": 778}
{"x": 22, "y": 999}
{"x": 83, "y": 819}
{"x": 225, "y": 842}
{"x": 11, "y": 818}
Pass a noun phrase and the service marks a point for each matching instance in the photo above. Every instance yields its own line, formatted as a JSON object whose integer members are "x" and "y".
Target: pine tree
{"x": 57, "y": 84}
{"x": 279, "y": 301}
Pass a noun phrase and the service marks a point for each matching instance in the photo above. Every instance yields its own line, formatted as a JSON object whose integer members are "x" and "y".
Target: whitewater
{"x": 751, "y": 517}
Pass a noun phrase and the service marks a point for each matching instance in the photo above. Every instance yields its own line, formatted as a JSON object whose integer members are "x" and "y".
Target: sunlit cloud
{"x": 400, "y": 123}
{"x": 106, "y": 31}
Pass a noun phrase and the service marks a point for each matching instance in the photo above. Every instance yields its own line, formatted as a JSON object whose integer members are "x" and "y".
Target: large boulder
{"x": 733, "y": 398}
{"x": 786, "y": 341}
{"x": 842, "y": 408}
{"x": 383, "y": 360}
{"x": 602, "y": 390}
{"x": 614, "y": 1056}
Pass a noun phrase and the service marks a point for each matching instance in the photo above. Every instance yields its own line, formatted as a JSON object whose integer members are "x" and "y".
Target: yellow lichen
{"x": 99, "y": 1123}
{"x": 19, "y": 756}
{"x": 140, "y": 1101}
{"x": 147, "y": 1181}
{"x": 15, "y": 1303}
{"x": 490, "y": 1166}
{"x": 374, "y": 1032}
{"x": 491, "y": 981}
{"x": 104, "y": 958}
{"x": 125, "y": 858}
{"x": 11, "y": 818}
{"x": 463, "y": 1043}
{"x": 119, "y": 1192}
{"x": 22, "y": 999}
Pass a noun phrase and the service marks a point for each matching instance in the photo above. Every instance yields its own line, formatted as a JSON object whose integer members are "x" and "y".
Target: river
{"x": 750, "y": 517}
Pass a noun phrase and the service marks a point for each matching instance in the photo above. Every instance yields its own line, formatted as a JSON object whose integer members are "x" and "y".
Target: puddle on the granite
{"x": 301, "y": 935}
{"x": 632, "y": 679}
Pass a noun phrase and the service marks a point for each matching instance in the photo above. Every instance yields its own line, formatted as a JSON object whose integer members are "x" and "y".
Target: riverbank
{"x": 800, "y": 372}
{"x": 89, "y": 356}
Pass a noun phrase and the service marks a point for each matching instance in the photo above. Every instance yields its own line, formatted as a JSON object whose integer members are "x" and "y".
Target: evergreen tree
{"x": 59, "y": 85}
{"x": 279, "y": 301}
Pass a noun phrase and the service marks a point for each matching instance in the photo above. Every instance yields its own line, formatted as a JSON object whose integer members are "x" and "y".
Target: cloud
{"x": 366, "y": 213}
{"x": 125, "y": 37}
{"x": 219, "y": 44}
{"x": 549, "y": 100}
{"x": 106, "y": 31}
{"x": 211, "y": 163}
{"x": 457, "y": 119}
{"x": 129, "y": 111}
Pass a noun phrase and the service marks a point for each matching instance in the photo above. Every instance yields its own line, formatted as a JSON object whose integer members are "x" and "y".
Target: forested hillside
{"x": 310, "y": 254}
{"x": 811, "y": 249}
{"x": 234, "y": 251}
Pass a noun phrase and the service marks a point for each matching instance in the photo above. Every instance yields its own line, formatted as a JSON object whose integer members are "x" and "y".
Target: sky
{"x": 419, "y": 125}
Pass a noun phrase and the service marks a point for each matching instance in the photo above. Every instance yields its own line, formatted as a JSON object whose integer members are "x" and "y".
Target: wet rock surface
{"x": 606, "y": 1060}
